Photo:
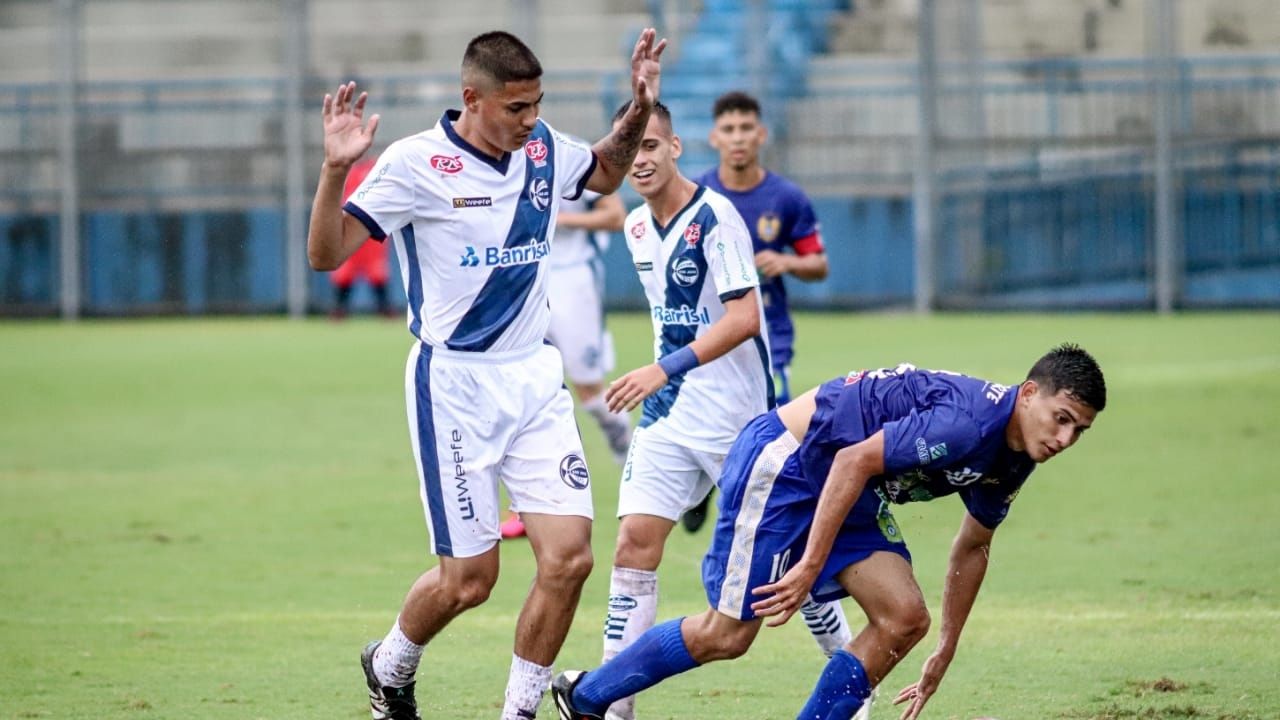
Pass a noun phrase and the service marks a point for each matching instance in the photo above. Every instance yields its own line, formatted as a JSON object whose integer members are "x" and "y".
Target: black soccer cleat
{"x": 562, "y": 692}
{"x": 387, "y": 703}
{"x": 694, "y": 517}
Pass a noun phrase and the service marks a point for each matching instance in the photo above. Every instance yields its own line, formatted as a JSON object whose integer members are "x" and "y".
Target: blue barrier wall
{"x": 1084, "y": 243}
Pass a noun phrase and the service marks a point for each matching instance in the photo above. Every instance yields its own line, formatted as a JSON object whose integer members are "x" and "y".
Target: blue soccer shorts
{"x": 766, "y": 510}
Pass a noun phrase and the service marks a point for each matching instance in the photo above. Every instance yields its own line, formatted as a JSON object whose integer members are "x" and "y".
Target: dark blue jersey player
{"x": 804, "y": 509}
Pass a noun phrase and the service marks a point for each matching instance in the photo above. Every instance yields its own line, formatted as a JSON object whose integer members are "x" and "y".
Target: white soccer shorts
{"x": 577, "y": 328}
{"x": 479, "y": 418}
{"x": 664, "y": 478}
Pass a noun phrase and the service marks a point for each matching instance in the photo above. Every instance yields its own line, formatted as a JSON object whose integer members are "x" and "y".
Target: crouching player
{"x": 804, "y": 512}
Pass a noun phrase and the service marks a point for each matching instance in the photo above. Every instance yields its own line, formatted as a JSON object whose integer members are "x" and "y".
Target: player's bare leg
{"x": 562, "y": 549}
{"x": 633, "y": 590}
{"x": 897, "y": 616}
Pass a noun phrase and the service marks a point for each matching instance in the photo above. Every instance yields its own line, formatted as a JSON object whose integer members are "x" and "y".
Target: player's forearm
{"x": 809, "y": 267}
{"x": 740, "y": 323}
{"x": 845, "y": 482}
{"x": 597, "y": 219}
{"x": 324, "y": 235}
{"x": 617, "y": 150}
{"x": 965, "y": 571}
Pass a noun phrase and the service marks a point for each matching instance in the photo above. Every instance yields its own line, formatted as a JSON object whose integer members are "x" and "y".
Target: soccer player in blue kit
{"x": 805, "y": 513}
{"x": 471, "y": 205}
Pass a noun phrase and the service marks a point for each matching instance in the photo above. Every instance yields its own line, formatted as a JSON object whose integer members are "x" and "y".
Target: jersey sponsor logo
{"x": 369, "y": 183}
{"x": 506, "y": 256}
{"x": 472, "y": 202}
{"x": 644, "y": 266}
{"x": 637, "y": 230}
{"x": 540, "y": 194}
{"x": 537, "y": 152}
{"x": 767, "y": 227}
{"x": 961, "y": 478}
{"x": 693, "y": 234}
{"x": 927, "y": 454}
{"x": 683, "y": 315}
{"x": 685, "y": 272}
{"x": 573, "y": 471}
{"x": 470, "y": 259}
{"x": 446, "y": 164}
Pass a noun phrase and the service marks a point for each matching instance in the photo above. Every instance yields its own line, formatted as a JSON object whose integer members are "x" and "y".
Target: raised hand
{"x": 646, "y": 68}
{"x": 346, "y": 137}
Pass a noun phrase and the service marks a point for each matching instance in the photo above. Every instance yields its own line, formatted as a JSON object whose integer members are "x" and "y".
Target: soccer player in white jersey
{"x": 471, "y": 206}
{"x": 575, "y": 289}
{"x": 710, "y": 378}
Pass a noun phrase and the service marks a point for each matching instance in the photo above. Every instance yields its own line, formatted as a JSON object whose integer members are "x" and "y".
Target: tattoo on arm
{"x": 618, "y": 149}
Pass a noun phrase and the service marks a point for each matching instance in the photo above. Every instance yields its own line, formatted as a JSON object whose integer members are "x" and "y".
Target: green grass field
{"x": 209, "y": 518}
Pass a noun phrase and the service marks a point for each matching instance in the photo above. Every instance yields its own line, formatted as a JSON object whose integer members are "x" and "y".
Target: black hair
{"x": 735, "y": 100}
{"x": 501, "y": 56}
{"x": 1070, "y": 368}
{"x": 658, "y": 109}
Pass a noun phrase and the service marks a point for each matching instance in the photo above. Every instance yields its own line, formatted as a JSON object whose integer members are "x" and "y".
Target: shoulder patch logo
{"x": 447, "y": 165}
{"x": 637, "y": 230}
{"x": 537, "y": 152}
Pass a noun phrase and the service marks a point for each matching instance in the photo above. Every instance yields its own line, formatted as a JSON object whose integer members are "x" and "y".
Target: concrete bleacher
{"x": 163, "y": 39}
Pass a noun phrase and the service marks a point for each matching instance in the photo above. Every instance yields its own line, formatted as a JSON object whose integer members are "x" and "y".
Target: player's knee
{"x": 710, "y": 638}
{"x": 637, "y": 549}
{"x": 909, "y": 623}
{"x": 569, "y": 568}
{"x": 471, "y": 592}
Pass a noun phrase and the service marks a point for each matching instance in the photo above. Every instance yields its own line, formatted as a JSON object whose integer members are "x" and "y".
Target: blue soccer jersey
{"x": 779, "y": 216}
{"x": 943, "y": 434}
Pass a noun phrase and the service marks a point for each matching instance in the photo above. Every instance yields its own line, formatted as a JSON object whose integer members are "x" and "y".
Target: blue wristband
{"x": 679, "y": 362}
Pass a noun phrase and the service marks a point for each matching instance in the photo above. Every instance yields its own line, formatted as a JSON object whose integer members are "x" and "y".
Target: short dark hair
{"x": 658, "y": 109}
{"x": 735, "y": 100}
{"x": 1070, "y": 368}
{"x": 501, "y": 56}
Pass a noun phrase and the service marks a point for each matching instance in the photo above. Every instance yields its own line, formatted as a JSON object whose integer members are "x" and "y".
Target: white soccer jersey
{"x": 472, "y": 232}
{"x": 688, "y": 269}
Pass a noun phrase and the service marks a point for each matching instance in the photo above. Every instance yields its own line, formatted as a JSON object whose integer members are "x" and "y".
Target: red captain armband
{"x": 809, "y": 245}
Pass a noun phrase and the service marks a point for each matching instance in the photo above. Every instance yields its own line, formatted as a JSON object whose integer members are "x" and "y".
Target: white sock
{"x": 633, "y": 606}
{"x": 827, "y": 624}
{"x": 396, "y": 660}
{"x": 525, "y": 686}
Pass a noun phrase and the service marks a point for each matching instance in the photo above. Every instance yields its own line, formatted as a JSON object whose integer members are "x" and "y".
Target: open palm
{"x": 346, "y": 137}
{"x": 646, "y": 68}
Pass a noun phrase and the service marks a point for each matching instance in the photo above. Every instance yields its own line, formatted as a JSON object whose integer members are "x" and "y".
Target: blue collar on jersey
{"x": 446, "y": 122}
{"x": 662, "y": 231}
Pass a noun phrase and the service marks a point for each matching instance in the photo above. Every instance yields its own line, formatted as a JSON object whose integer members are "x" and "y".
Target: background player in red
{"x": 368, "y": 262}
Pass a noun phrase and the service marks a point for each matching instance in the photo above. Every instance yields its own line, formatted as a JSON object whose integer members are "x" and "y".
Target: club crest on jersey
{"x": 637, "y": 230}
{"x": 537, "y": 152}
{"x": 540, "y": 194}
{"x": 446, "y": 164}
{"x": 684, "y": 272}
{"x": 767, "y": 227}
{"x": 693, "y": 234}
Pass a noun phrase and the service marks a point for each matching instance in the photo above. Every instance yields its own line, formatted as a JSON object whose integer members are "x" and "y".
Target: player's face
{"x": 1048, "y": 423}
{"x": 655, "y": 163}
{"x": 738, "y": 136}
{"x": 505, "y": 114}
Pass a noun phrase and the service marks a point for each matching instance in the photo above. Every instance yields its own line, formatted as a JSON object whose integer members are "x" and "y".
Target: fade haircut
{"x": 735, "y": 101}
{"x": 1070, "y": 368}
{"x": 500, "y": 57}
{"x": 658, "y": 109}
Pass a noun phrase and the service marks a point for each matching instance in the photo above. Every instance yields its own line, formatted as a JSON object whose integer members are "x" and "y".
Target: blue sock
{"x": 655, "y": 656}
{"x": 841, "y": 690}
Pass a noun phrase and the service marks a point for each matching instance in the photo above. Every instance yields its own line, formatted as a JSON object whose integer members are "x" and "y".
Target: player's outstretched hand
{"x": 631, "y": 389}
{"x": 346, "y": 137}
{"x": 783, "y": 598}
{"x": 646, "y": 68}
{"x": 918, "y": 693}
